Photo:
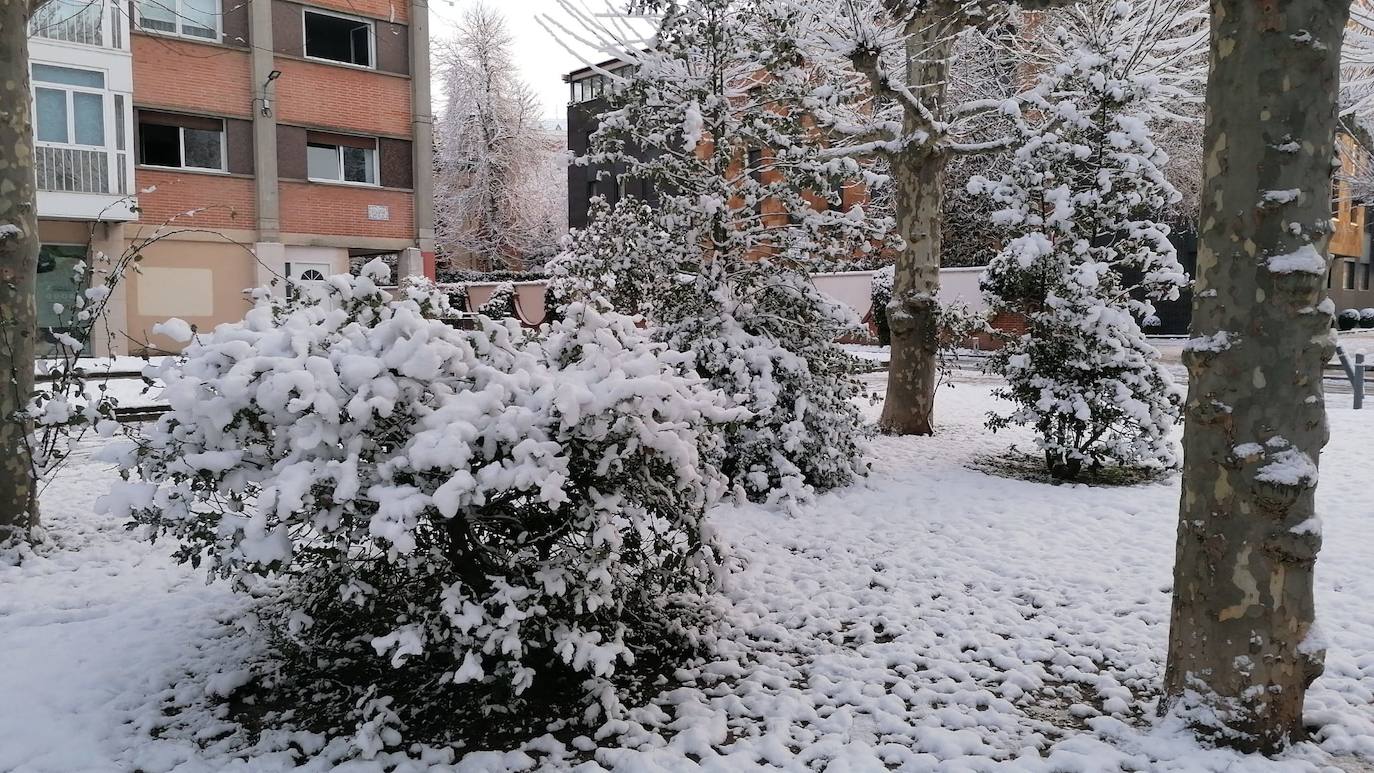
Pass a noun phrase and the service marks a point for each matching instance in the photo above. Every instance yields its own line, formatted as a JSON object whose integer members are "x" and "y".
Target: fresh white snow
{"x": 935, "y": 618}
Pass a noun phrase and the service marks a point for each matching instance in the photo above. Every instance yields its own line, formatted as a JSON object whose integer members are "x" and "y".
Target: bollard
{"x": 1358, "y": 380}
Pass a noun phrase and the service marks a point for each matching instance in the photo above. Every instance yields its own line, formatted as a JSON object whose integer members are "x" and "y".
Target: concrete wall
{"x": 202, "y": 282}
{"x": 852, "y": 288}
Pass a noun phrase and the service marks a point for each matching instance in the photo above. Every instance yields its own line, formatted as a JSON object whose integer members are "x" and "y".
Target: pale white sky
{"x": 543, "y": 60}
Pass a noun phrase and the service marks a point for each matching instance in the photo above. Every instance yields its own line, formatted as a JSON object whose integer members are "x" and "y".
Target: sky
{"x": 543, "y": 59}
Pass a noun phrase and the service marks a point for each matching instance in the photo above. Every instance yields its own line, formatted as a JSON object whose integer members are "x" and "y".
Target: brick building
{"x": 252, "y": 140}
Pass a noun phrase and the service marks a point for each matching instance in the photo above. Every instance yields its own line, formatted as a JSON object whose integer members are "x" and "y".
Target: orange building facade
{"x": 261, "y": 141}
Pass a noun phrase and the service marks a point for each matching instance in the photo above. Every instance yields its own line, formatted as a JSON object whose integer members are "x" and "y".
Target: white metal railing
{"x": 72, "y": 21}
{"x": 73, "y": 170}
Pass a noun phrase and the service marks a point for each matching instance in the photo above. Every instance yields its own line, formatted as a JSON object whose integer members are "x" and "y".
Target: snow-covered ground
{"x": 936, "y": 618}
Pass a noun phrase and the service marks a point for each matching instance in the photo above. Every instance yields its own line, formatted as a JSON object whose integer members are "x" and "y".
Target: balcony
{"x": 81, "y": 22}
{"x": 83, "y": 158}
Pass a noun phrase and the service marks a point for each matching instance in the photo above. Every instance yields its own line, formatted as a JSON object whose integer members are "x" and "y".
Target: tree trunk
{"x": 1242, "y": 647}
{"x": 18, "y": 272}
{"x": 911, "y": 314}
{"x": 918, "y": 175}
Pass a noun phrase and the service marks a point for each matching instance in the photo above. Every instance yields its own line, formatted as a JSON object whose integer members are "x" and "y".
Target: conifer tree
{"x": 717, "y": 119}
{"x": 1084, "y": 256}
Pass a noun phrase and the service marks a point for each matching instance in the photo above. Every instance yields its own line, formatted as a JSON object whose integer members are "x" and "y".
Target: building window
{"x": 754, "y": 160}
{"x": 341, "y": 158}
{"x": 69, "y": 106}
{"x": 1349, "y": 278}
{"x": 338, "y": 38}
{"x": 192, "y": 18}
{"x": 589, "y": 88}
{"x": 183, "y": 142}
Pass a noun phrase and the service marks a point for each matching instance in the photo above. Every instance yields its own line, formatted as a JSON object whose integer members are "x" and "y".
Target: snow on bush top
{"x": 482, "y": 502}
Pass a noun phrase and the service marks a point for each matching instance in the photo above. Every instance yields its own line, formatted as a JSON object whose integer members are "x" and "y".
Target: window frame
{"x": 107, "y": 118}
{"x": 181, "y": 148}
{"x": 371, "y": 38}
{"x": 374, "y": 163}
{"x": 180, "y": 17}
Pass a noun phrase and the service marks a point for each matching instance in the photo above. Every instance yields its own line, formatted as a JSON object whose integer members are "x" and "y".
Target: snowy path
{"x": 937, "y": 618}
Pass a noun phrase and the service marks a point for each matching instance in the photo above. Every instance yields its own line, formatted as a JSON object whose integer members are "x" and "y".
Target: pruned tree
{"x": 500, "y": 187}
{"x": 1243, "y": 643}
{"x": 18, "y": 272}
{"x": 1085, "y": 254}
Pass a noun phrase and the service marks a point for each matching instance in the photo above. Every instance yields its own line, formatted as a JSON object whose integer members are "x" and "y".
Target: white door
{"x": 307, "y": 279}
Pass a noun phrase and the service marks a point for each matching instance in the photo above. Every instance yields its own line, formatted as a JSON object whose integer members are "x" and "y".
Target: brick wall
{"x": 397, "y": 11}
{"x": 350, "y": 100}
{"x": 228, "y": 202}
{"x": 342, "y": 210}
{"x": 173, "y": 73}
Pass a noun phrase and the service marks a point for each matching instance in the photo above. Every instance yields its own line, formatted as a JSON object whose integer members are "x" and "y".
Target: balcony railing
{"x": 77, "y": 170}
{"x": 88, "y": 22}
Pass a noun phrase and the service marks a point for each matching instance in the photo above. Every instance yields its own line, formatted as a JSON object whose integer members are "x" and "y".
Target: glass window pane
{"x": 51, "y": 110}
{"x": 70, "y": 76}
{"x": 337, "y": 38}
{"x": 358, "y": 165}
{"x": 362, "y": 45}
{"x": 119, "y": 121}
{"x": 89, "y": 110}
{"x": 198, "y": 17}
{"x": 158, "y": 15}
{"x": 203, "y": 148}
{"x": 322, "y": 162}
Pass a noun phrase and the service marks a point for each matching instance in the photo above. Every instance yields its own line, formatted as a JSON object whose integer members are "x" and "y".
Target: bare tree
{"x": 18, "y": 271}
{"x": 499, "y": 173}
{"x": 1243, "y": 644}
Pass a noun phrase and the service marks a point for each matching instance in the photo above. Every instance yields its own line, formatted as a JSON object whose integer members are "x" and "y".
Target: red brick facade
{"x": 195, "y": 77}
{"x": 343, "y": 210}
{"x": 343, "y": 98}
{"x": 224, "y": 201}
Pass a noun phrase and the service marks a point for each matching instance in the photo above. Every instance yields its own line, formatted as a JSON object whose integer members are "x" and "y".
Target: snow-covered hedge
{"x": 1366, "y": 317}
{"x": 1348, "y": 319}
{"x": 479, "y": 507}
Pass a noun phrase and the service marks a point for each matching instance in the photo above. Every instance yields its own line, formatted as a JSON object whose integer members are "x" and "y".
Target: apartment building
{"x": 586, "y": 89}
{"x": 232, "y": 143}
{"x": 1348, "y": 280}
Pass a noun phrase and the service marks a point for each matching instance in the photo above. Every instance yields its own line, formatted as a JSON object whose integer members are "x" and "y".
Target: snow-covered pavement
{"x": 936, "y": 618}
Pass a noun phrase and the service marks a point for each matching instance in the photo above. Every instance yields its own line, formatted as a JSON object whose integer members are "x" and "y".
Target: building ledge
{"x": 63, "y": 205}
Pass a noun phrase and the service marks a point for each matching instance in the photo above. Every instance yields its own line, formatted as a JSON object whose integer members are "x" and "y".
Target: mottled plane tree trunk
{"x": 18, "y": 272}
{"x": 1243, "y": 645}
{"x": 918, "y": 173}
{"x": 918, "y": 157}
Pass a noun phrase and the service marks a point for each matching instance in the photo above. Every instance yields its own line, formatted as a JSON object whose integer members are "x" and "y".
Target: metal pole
{"x": 1359, "y": 380}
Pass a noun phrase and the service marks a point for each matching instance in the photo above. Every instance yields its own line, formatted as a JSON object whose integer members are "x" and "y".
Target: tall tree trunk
{"x": 919, "y": 177}
{"x": 911, "y": 314}
{"x": 18, "y": 272}
{"x": 1242, "y": 648}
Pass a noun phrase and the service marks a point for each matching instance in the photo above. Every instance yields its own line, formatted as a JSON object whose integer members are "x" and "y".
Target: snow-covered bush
{"x": 881, "y": 294}
{"x": 1348, "y": 319}
{"x": 1078, "y": 203}
{"x": 1366, "y": 317}
{"x": 501, "y": 304}
{"x": 765, "y": 338}
{"x": 464, "y": 512}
